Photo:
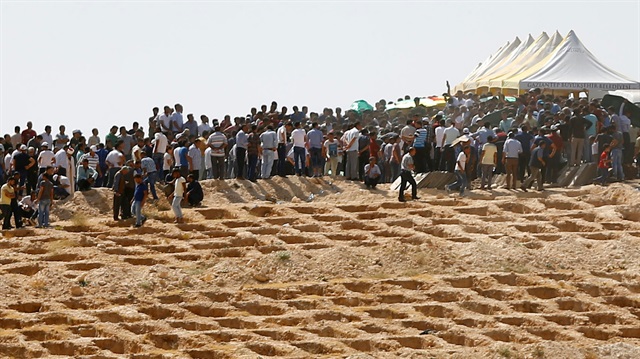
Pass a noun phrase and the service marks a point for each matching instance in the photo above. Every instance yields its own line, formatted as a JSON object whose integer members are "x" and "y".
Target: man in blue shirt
{"x": 315, "y": 139}
{"x": 526, "y": 140}
{"x": 139, "y": 197}
{"x": 420, "y": 143}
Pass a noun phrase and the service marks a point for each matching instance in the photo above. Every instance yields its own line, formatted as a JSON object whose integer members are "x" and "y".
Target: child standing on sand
{"x": 603, "y": 166}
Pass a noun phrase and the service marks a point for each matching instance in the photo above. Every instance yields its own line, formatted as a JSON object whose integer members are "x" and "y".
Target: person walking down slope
{"x": 461, "y": 174}
{"x": 406, "y": 166}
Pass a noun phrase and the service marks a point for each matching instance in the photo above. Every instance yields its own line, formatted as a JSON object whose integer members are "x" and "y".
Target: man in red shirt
{"x": 553, "y": 164}
{"x": 28, "y": 133}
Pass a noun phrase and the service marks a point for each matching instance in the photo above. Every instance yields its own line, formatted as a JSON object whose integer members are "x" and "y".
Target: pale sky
{"x": 92, "y": 64}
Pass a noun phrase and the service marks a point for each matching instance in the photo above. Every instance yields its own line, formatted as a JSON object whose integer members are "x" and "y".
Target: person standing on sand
{"x": 7, "y": 195}
{"x": 140, "y": 195}
{"x": 488, "y": 161}
{"x": 45, "y": 200}
{"x": 179, "y": 184}
{"x": 406, "y": 166}
{"x": 268, "y": 146}
{"x": 536, "y": 164}
{"x": 119, "y": 192}
{"x": 461, "y": 174}
{"x": 603, "y": 166}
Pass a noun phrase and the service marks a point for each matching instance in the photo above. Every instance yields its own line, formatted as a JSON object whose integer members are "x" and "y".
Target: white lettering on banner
{"x": 582, "y": 85}
{"x": 575, "y": 49}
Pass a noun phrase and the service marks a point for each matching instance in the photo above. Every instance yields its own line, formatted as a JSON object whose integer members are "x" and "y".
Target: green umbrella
{"x": 361, "y": 106}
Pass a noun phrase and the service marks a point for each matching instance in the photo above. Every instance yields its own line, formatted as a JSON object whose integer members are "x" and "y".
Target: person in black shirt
{"x": 194, "y": 194}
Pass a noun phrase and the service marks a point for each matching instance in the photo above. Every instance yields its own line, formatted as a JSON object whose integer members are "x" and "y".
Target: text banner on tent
{"x": 581, "y": 85}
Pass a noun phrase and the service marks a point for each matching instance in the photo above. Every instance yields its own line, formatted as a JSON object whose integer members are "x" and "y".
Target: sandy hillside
{"x": 305, "y": 268}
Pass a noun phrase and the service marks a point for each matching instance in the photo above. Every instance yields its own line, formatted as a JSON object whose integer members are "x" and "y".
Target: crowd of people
{"x": 530, "y": 140}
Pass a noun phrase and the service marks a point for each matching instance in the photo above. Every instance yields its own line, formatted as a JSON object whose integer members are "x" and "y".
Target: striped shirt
{"x": 216, "y": 141}
{"x": 148, "y": 165}
{"x": 93, "y": 160}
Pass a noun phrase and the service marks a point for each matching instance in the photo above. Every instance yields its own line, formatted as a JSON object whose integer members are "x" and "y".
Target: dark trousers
{"x": 217, "y": 164}
{"x": 406, "y": 177}
{"x": 117, "y": 206}
{"x": 449, "y": 158}
{"x": 523, "y": 165}
{"x": 299, "y": 160}
{"x": 371, "y": 182}
{"x": 363, "y": 159}
{"x": 282, "y": 155}
{"x": 7, "y": 212}
{"x": 127, "y": 196}
{"x": 32, "y": 179}
{"x": 253, "y": 165}
{"x": 420, "y": 159}
{"x": 84, "y": 185}
{"x": 241, "y": 156}
{"x": 437, "y": 160}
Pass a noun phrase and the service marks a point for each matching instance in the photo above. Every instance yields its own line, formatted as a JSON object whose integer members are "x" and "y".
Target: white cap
{"x": 44, "y": 144}
{"x": 23, "y": 148}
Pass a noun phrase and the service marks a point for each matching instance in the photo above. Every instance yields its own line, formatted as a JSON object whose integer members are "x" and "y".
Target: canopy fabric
{"x": 471, "y": 82}
{"x": 573, "y": 67}
{"x": 528, "y": 61}
{"x": 479, "y": 68}
{"x": 617, "y": 101}
{"x": 360, "y": 106}
{"x": 497, "y": 68}
{"x": 631, "y": 95}
{"x": 428, "y": 102}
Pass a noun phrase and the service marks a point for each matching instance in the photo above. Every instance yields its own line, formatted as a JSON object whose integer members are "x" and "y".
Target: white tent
{"x": 498, "y": 68}
{"x": 470, "y": 84}
{"x": 573, "y": 67}
{"x": 479, "y": 67}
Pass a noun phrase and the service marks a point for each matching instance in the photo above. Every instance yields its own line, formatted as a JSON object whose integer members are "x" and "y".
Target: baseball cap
{"x": 540, "y": 102}
{"x": 23, "y": 148}
{"x": 465, "y": 130}
{"x": 44, "y": 144}
{"x": 93, "y": 148}
{"x": 76, "y": 131}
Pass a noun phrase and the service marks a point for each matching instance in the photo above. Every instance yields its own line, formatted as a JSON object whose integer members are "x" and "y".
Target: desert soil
{"x": 306, "y": 268}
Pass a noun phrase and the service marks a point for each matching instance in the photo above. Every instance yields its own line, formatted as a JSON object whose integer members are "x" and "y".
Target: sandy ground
{"x": 306, "y": 268}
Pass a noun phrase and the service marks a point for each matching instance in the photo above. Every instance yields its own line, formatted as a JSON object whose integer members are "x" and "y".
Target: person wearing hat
{"x": 86, "y": 175}
{"x": 461, "y": 172}
{"x": 179, "y": 188}
{"x": 406, "y": 167}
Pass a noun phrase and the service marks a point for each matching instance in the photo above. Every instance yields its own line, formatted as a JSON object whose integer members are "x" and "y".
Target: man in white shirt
{"x": 438, "y": 138}
{"x": 299, "y": 140}
{"x": 371, "y": 173}
{"x": 45, "y": 158}
{"x": 351, "y": 147}
{"x": 511, "y": 152}
{"x": 282, "y": 147}
{"x": 62, "y": 160}
{"x": 177, "y": 121}
{"x": 164, "y": 120}
{"x": 160, "y": 143}
{"x": 204, "y": 126}
{"x": 114, "y": 161}
{"x": 268, "y": 144}
{"x": 461, "y": 174}
{"x": 448, "y": 153}
{"x": 46, "y": 136}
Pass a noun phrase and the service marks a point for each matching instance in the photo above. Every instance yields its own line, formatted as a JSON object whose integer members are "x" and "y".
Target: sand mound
{"x": 304, "y": 268}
